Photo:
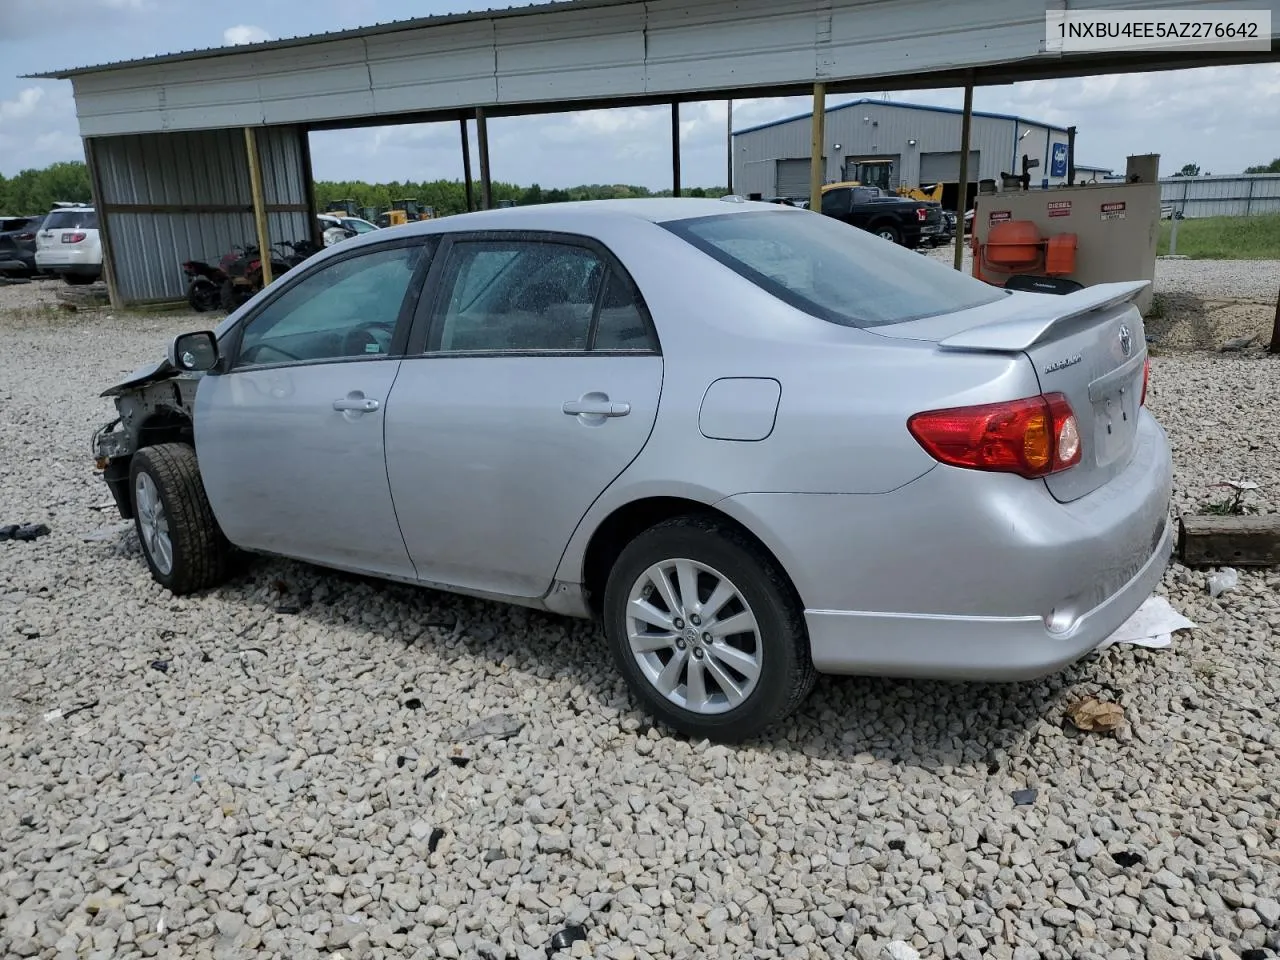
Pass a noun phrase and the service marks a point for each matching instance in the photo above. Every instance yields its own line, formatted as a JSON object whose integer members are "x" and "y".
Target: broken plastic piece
{"x": 433, "y": 841}
{"x": 1095, "y": 716}
{"x": 1220, "y": 581}
{"x": 459, "y": 761}
{"x": 431, "y": 773}
{"x": 1151, "y": 625}
{"x": 566, "y": 938}
{"x": 500, "y": 726}
{"x": 161, "y": 665}
{"x": 1126, "y": 858}
{"x": 413, "y": 703}
{"x": 288, "y": 608}
{"x": 1022, "y": 798}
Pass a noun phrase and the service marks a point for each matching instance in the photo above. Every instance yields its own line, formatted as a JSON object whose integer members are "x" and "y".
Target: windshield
{"x": 832, "y": 270}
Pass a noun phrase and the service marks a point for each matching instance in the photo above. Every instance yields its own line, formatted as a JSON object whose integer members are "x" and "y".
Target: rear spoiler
{"x": 1041, "y": 314}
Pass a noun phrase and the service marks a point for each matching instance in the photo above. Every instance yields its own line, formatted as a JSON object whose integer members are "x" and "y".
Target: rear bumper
{"x": 958, "y": 574}
{"x": 973, "y": 647}
{"x": 74, "y": 269}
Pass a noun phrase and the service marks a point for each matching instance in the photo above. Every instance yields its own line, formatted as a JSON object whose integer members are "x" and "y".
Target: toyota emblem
{"x": 1126, "y": 340}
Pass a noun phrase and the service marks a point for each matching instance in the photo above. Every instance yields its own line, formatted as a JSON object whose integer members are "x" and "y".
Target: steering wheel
{"x": 376, "y": 334}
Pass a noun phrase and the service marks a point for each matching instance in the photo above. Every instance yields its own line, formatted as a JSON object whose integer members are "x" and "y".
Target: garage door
{"x": 793, "y": 177}
{"x": 945, "y": 167}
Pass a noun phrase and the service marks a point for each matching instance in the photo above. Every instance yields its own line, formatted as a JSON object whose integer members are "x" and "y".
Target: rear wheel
{"x": 183, "y": 545}
{"x": 887, "y": 231}
{"x": 706, "y": 630}
{"x": 230, "y": 297}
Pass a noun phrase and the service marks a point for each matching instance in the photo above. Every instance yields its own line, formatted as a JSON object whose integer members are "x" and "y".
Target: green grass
{"x": 1225, "y": 238}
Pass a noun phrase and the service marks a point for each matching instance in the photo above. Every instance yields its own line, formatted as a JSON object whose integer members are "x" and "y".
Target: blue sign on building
{"x": 1059, "y": 166}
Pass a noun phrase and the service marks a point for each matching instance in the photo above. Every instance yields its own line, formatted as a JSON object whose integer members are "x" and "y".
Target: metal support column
{"x": 962, "y": 202}
{"x": 675, "y": 149}
{"x": 259, "y": 204}
{"x": 817, "y": 173}
{"x": 729, "y": 144}
{"x": 466, "y": 165}
{"x": 104, "y": 230}
{"x": 314, "y": 232}
{"x": 482, "y": 136}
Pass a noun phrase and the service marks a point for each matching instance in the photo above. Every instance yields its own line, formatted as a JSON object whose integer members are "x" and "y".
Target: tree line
{"x": 35, "y": 191}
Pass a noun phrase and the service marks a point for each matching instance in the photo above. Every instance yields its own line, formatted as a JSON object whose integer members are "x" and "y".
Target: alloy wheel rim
{"x": 694, "y": 637}
{"x": 153, "y": 523}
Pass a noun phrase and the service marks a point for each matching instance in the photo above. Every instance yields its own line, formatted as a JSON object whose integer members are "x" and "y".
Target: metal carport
{"x": 169, "y": 138}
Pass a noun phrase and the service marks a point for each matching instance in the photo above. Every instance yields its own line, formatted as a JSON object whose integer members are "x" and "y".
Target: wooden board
{"x": 1248, "y": 541}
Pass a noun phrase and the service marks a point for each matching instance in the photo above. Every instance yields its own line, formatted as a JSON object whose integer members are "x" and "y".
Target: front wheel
{"x": 706, "y": 630}
{"x": 203, "y": 295}
{"x": 183, "y": 545}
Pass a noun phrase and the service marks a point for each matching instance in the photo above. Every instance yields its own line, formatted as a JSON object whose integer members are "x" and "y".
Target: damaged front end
{"x": 154, "y": 405}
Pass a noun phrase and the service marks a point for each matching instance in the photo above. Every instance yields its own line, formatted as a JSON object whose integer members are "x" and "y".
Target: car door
{"x": 290, "y": 433}
{"x": 535, "y": 384}
{"x": 835, "y": 203}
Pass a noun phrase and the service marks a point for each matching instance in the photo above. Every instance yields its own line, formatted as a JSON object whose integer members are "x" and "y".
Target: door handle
{"x": 595, "y": 408}
{"x": 355, "y": 403}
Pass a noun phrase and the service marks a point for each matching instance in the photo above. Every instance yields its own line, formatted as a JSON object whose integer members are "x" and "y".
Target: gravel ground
{"x": 245, "y": 780}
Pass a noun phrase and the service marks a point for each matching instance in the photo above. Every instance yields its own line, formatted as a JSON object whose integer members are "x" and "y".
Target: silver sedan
{"x": 755, "y": 443}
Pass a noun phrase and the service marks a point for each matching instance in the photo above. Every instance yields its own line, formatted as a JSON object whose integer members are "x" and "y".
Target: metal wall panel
{"x": 1245, "y": 195}
{"x": 871, "y": 129}
{"x": 590, "y": 51}
{"x": 194, "y": 169}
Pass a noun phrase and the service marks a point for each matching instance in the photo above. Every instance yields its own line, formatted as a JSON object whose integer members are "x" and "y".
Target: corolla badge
{"x": 1126, "y": 340}
{"x": 1064, "y": 362}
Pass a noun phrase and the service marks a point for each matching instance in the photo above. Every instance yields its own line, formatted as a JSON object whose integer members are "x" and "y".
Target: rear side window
{"x": 71, "y": 220}
{"x": 832, "y": 270}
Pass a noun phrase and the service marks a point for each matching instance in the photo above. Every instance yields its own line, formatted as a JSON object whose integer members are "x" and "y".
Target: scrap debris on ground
{"x": 300, "y": 798}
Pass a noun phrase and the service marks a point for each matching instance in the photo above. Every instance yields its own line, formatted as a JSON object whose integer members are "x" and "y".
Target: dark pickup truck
{"x": 908, "y": 222}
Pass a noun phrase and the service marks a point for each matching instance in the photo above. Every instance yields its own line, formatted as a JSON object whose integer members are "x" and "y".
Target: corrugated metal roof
{"x": 391, "y": 26}
{"x": 868, "y": 101}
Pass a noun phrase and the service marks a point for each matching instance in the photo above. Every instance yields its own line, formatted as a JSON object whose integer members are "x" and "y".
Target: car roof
{"x": 586, "y": 212}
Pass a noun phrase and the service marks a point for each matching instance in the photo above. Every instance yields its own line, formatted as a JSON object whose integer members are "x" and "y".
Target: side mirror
{"x": 192, "y": 352}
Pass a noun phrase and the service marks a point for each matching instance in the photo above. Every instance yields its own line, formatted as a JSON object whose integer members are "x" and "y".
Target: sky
{"x": 1220, "y": 118}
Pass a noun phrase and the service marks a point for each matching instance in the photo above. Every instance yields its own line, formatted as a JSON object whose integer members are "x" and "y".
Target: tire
{"x": 779, "y": 643}
{"x": 887, "y": 231}
{"x": 203, "y": 295}
{"x": 198, "y": 555}
{"x": 229, "y": 298}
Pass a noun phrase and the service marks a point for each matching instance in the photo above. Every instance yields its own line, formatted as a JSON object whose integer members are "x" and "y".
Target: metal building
{"x": 187, "y": 149}
{"x": 919, "y": 142}
{"x": 1241, "y": 195}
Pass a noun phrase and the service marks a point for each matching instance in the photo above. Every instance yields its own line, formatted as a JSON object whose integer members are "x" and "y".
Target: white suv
{"x": 67, "y": 244}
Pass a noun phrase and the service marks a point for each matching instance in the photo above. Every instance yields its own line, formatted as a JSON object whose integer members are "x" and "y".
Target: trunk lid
{"x": 1089, "y": 346}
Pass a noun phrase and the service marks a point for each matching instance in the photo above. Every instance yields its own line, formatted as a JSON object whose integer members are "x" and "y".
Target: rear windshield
{"x": 71, "y": 220}
{"x": 832, "y": 270}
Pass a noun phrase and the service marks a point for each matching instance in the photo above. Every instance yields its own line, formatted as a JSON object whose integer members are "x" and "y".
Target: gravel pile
{"x": 282, "y": 768}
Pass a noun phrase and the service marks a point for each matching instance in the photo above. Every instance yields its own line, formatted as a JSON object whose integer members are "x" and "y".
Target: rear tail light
{"x": 922, "y": 214}
{"x": 1032, "y": 437}
{"x": 26, "y": 236}
{"x": 72, "y": 237}
{"x": 1146, "y": 377}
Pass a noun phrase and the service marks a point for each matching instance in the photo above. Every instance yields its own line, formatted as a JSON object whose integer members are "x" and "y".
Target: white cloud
{"x": 244, "y": 33}
{"x": 24, "y": 105}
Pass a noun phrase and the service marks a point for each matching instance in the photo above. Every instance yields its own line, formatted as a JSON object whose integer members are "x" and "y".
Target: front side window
{"x": 831, "y": 270}
{"x": 347, "y": 309}
{"x": 518, "y": 296}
